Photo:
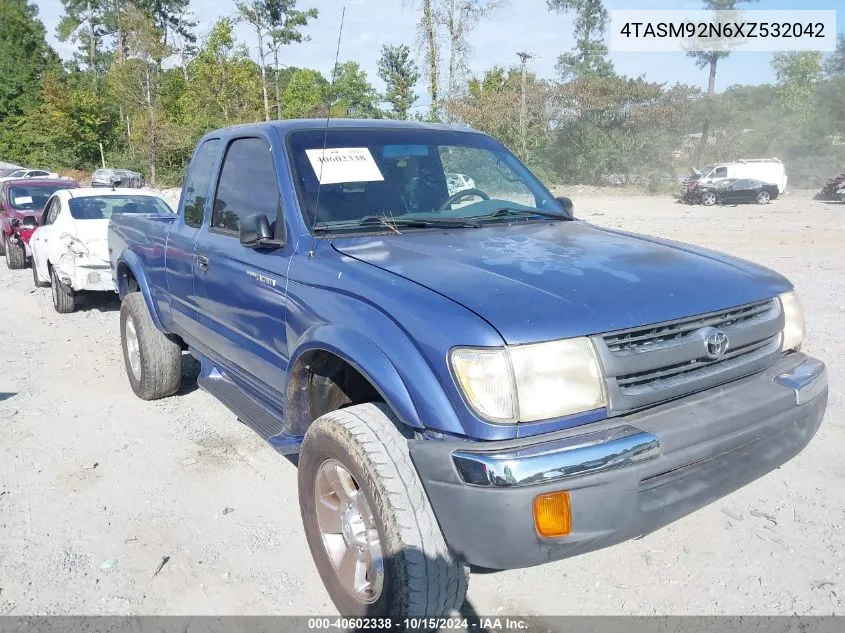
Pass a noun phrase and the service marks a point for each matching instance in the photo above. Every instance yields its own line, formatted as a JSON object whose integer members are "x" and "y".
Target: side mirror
{"x": 567, "y": 205}
{"x": 255, "y": 232}
{"x": 30, "y": 221}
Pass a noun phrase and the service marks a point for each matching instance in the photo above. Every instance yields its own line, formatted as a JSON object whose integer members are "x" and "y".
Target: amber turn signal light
{"x": 552, "y": 515}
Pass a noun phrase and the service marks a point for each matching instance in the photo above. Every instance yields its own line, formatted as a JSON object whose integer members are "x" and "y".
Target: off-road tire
{"x": 15, "y": 256}
{"x": 64, "y": 300}
{"x": 160, "y": 357}
{"x": 421, "y": 576}
{"x": 763, "y": 197}
{"x": 35, "y": 280}
{"x": 709, "y": 199}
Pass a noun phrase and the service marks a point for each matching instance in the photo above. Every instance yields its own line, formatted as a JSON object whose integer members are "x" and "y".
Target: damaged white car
{"x": 70, "y": 247}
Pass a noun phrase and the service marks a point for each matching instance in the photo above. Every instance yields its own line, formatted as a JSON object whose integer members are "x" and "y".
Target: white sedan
{"x": 70, "y": 247}
{"x": 28, "y": 173}
{"x": 458, "y": 182}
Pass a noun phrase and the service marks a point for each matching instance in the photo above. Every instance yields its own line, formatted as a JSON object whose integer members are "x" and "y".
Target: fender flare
{"x": 366, "y": 357}
{"x": 133, "y": 263}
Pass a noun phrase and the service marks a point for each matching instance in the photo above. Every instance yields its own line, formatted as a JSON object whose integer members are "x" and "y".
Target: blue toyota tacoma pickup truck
{"x": 469, "y": 376}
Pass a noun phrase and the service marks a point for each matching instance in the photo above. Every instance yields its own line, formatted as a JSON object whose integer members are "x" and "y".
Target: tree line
{"x": 143, "y": 85}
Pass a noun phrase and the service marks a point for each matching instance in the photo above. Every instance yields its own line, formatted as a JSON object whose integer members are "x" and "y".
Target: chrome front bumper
{"x": 625, "y": 476}
{"x": 598, "y": 451}
{"x": 807, "y": 381}
{"x": 553, "y": 461}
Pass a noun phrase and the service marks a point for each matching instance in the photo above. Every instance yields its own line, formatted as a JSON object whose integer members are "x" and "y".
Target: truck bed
{"x": 146, "y": 237}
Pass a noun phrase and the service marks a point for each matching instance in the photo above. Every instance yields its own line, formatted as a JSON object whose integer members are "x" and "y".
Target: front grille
{"x": 655, "y": 363}
{"x": 633, "y": 340}
{"x": 675, "y": 374}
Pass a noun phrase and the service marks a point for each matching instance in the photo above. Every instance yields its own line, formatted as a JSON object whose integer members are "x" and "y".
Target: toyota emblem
{"x": 715, "y": 344}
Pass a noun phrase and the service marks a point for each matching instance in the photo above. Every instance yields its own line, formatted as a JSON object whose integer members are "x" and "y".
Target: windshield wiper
{"x": 510, "y": 211}
{"x": 392, "y": 223}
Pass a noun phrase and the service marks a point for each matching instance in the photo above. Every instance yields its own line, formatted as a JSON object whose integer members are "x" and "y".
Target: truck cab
{"x": 473, "y": 378}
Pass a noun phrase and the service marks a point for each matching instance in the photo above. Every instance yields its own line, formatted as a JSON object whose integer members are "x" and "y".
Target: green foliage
{"x": 24, "y": 57}
{"x": 493, "y": 104}
{"x": 619, "y": 126}
{"x": 65, "y": 130}
{"x": 798, "y": 75}
{"x": 286, "y": 21}
{"x": 352, "y": 95}
{"x": 223, "y": 84}
{"x": 127, "y": 94}
{"x": 590, "y": 56}
{"x": 305, "y": 95}
{"x": 167, "y": 15}
{"x": 400, "y": 74}
{"x": 834, "y": 65}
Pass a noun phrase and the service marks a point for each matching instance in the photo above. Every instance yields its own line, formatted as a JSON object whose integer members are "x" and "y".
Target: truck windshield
{"x": 410, "y": 175}
{"x": 103, "y": 207}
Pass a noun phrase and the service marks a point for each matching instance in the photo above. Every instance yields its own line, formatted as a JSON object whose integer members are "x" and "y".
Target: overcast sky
{"x": 526, "y": 25}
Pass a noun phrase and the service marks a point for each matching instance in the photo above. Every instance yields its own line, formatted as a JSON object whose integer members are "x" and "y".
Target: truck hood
{"x": 536, "y": 281}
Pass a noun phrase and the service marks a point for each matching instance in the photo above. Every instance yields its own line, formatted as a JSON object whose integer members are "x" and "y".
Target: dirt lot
{"x": 98, "y": 489}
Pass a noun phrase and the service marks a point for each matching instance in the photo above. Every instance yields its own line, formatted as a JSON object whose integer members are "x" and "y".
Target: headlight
{"x": 793, "y": 321}
{"x": 486, "y": 380}
{"x": 528, "y": 383}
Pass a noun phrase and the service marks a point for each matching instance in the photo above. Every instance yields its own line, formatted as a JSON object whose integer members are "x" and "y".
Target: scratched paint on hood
{"x": 537, "y": 281}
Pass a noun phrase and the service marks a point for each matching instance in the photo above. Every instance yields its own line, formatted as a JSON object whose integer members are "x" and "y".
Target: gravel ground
{"x": 111, "y": 505}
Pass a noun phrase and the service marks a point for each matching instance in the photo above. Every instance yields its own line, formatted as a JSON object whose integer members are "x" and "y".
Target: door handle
{"x": 202, "y": 262}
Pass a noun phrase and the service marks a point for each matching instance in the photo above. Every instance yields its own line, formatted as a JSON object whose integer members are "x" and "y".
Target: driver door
{"x": 241, "y": 291}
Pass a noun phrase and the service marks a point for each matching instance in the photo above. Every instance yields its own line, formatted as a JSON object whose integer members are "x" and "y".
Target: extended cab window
{"x": 199, "y": 179}
{"x": 247, "y": 185}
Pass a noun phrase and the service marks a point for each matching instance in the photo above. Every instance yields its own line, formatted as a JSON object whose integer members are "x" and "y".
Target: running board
{"x": 249, "y": 411}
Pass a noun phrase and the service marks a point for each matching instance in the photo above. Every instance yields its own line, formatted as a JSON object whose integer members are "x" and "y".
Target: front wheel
{"x": 763, "y": 197}
{"x": 708, "y": 199}
{"x": 370, "y": 527}
{"x": 153, "y": 361}
{"x": 15, "y": 256}
{"x": 64, "y": 300}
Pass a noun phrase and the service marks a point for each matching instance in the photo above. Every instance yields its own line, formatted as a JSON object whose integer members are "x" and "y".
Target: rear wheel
{"x": 15, "y": 256}
{"x": 153, "y": 361}
{"x": 370, "y": 527}
{"x": 64, "y": 300}
{"x": 763, "y": 197}
{"x": 708, "y": 199}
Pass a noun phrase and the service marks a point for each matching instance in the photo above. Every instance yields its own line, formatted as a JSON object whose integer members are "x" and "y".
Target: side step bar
{"x": 257, "y": 416}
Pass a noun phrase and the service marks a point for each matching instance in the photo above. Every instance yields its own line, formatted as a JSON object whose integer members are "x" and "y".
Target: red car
{"x": 21, "y": 205}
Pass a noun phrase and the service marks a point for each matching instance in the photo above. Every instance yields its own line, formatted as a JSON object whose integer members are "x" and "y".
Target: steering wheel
{"x": 463, "y": 194}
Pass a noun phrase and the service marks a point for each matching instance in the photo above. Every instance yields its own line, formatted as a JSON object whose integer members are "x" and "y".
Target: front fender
{"x": 367, "y": 358}
{"x": 131, "y": 261}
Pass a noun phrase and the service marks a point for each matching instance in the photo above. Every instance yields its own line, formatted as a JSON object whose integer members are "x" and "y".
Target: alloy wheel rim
{"x": 133, "y": 349}
{"x": 709, "y": 199}
{"x": 348, "y": 532}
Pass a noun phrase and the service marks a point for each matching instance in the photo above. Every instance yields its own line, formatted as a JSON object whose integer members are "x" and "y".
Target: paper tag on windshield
{"x": 23, "y": 200}
{"x": 344, "y": 164}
